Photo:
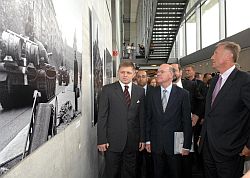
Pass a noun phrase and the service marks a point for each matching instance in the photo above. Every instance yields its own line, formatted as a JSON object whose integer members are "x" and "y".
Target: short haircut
{"x": 179, "y": 66}
{"x": 191, "y": 66}
{"x": 233, "y": 47}
{"x": 206, "y": 74}
{"x": 171, "y": 69}
{"x": 127, "y": 64}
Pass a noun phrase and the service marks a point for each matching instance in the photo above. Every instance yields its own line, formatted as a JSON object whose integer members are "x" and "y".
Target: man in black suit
{"x": 225, "y": 135}
{"x": 168, "y": 111}
{"x": 197, "y": 111}
{"x": 121, "y": 124}
{"x": 144, "y": 159}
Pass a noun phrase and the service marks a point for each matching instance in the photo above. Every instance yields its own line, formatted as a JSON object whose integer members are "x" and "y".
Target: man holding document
{"x": 168, "y": 112}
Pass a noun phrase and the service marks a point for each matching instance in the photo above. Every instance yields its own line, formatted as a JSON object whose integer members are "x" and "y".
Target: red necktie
{"x": 127, "y": 96}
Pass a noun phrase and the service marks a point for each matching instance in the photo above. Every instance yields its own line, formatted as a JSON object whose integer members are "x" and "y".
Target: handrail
{"x": 32, "y": 120}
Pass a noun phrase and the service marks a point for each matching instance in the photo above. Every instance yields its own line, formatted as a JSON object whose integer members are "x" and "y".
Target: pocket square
{"x": 138, "y": 101}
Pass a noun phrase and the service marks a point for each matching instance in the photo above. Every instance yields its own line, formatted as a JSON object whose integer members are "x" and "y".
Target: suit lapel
{"x": 225, "y": 88}
{"x": 133, "y": 94}
{"x": 157, "y": 99}
{"x": 171, "y": 98}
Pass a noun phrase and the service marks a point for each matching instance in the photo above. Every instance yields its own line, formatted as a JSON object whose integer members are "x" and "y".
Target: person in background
{"x": 207, "y": 77}
{"x": 197, "y": 110}
{"x": 198, "y": 76}
{"x": 152, "y": 82}
{"x": 144, "y": 159}
{"x": 168, "y": 111}
{"x": 225, "y": 135}
{"x": 121, "y": 124}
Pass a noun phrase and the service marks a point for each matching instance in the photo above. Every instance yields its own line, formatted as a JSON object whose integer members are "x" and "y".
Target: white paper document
{"x": 178, "y": 142}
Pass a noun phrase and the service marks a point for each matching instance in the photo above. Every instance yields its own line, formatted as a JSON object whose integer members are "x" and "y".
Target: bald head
{"x": 165, "y": 75}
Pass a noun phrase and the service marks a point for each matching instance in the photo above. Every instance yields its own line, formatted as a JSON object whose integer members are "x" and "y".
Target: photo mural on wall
{"x": 97, "y": 63}
{"x": 108, "y": 67}
{"x": 41, "y": 56}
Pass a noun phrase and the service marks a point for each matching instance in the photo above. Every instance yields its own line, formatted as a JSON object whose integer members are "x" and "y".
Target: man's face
{"x": 190, "y": 73}
{"x": 177, "y": 72}
{"x": 141, "y": 78}
{"x": 126, "y": 74}
{"x": 208, "y": 77}
{"x": 219, "y": 57}
{"x": 163, "y": 74}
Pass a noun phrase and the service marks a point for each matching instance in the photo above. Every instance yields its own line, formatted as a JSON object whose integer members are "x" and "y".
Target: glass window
{"x": 237, "y": 20}
{"x": 181, "y": 38}
{"x": 191, "y": 34}
{"x": 210, "y": 22}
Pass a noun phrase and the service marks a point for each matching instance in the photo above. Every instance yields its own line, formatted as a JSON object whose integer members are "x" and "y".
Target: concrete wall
{"x": 73, "y": 152}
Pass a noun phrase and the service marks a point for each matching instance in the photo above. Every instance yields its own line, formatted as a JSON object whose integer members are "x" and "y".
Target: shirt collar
{"x": 169, "y": 88}
{"x": 179, "y": 84}
{"x": 123, "y": 85}
{"x": 226, "y": 74}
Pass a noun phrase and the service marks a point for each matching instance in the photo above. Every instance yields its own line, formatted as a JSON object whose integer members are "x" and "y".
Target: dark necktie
{"x": 127, "y": 96}
{"x": 164, "y": 100}
{"x": 216, "y": 89}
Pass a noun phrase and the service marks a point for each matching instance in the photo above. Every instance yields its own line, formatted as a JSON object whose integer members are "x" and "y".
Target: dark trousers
{"x": 144, "y": 164}
{"x": 232, "y": 168}
{"x": 120, "y": 164}
{"x": 167, "y": 166}
{"x": 187, "y": 163}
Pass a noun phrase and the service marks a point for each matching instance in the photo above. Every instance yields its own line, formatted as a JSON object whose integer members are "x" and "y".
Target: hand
{"x": 148, "y": 148}
{"x": 198, "y": 142}
{"x": 184, "y": 152}
{"x": 141, "y": 146}
{"x": 245, "y": 151}
{"x": 103, "y": 147}
{"x": 195, "y": 119}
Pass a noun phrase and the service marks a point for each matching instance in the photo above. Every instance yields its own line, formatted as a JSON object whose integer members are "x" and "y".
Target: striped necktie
{"x": 127, "y": 96}
{"x": 164, "y": 100}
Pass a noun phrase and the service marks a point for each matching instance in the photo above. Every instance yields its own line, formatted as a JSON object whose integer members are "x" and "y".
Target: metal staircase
{"x": 167, "y": 19}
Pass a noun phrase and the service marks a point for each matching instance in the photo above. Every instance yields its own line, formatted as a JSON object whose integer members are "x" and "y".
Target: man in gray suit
{"x": 225, "y": 135}
{"x": 168, "y": 111}
{"x": 120, "y": 126}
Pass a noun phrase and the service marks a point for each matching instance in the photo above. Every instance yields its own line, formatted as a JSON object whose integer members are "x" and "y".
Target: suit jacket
{"x": 160, "y": 126}
{"x": 118, "y": 124}
{"x": 196, "y": 98}
{"x": 227, "y": 121}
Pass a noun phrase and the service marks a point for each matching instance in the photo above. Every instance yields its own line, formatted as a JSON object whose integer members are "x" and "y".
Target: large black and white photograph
{"x": 97, "y": 63}
{"x": 40, "y": 73}
{"x": 108, "y": 67}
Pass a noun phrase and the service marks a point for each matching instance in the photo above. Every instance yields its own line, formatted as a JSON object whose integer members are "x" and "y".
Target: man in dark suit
{"x": 144, "y": 168}
{"x": 197, "y": 110}
{"x": 168, "y": 111}
{"x": 225, "y": 135}
{"x": 121, "y": 128}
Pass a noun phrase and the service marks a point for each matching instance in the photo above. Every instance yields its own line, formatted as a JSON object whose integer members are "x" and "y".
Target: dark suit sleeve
{"x": 102, "y": 117}
{"x": 186, "y": 121}
{"x": 198, "y": 102}
{"x": 148, "y": 113}
{"x": 142, "y": 118}
{"x": 245, "y": 94}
